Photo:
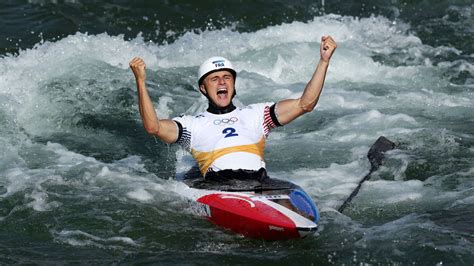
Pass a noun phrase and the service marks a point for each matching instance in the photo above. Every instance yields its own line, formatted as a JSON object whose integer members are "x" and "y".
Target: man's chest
{"x": 226, "y": 131}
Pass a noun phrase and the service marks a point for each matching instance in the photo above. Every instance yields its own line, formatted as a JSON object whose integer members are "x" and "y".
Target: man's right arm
{"x": 164, "y": 129}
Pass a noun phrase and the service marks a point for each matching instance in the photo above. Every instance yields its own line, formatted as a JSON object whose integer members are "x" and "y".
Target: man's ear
{"x": 202, "y": 89}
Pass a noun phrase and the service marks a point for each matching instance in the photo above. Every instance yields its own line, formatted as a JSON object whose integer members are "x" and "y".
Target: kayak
{"x": 271, "y": 210}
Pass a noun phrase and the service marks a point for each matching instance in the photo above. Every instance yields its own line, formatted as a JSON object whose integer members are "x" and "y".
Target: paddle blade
{"x": 376, "y": 152}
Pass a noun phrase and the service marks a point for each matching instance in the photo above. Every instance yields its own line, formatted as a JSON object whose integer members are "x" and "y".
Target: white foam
{"x": 163, "y": 108}
{"x": 286, "y": 53}
{"x": 432, "y": 99}
{"x": 127, "y": 177}
{"x": 80, "y": 238}
{"x": 49, "y": 60}
{"x": 342, "y": 100}
{"x": 20, "y": 179}
{"x": 405, "y": 197}
{"x": 140, "y": 194}
{"x": 330, "y": 185}
{"x": 17, "y": 181}
{"x": 131, "y": 162}
{"x": 394, "y": 191}
{"x": 365, "y": 127}
{"x": 68, "y": 158}
{"x": 40, "y": 202}
{"x": 283, "y": 54}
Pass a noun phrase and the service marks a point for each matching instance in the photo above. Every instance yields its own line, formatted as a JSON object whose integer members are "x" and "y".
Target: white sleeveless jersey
{"x": 235, "y": 140}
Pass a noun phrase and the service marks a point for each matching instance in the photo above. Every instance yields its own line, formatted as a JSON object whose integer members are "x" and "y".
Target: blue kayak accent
{"x": 304, "y": 203}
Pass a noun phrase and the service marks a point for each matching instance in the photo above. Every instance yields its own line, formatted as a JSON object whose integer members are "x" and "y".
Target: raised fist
{"x": 138, "y": 67}
{"x": 328, "y": 46}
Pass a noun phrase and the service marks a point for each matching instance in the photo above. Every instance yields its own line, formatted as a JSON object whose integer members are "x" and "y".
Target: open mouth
{"x": 222, "y": 92}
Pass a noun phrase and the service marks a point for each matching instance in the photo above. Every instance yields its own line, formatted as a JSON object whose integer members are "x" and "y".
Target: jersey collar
{"x": 213, "y": 109}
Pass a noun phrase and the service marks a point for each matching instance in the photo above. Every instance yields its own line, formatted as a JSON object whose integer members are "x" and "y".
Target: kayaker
{"x": 225, "y": 140}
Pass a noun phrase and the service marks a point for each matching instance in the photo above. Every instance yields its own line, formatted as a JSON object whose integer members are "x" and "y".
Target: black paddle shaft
{"x": 376, "y": 155}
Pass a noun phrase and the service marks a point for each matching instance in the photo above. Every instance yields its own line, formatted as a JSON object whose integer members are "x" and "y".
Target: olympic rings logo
{"x": 226, "y": 121}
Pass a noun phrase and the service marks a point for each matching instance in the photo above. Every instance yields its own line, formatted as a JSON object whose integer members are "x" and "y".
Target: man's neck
{"x": 214, "y": 109}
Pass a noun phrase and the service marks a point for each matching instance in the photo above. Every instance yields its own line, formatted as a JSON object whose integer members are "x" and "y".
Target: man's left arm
{"x": 290, "y": 109}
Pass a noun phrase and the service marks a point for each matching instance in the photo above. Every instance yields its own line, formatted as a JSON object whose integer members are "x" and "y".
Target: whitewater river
{"x": 81, "y": 181}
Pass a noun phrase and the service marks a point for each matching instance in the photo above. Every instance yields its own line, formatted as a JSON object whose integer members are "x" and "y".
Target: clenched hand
{"x": 138, "y": 67}
{"x": 328, "y": 46}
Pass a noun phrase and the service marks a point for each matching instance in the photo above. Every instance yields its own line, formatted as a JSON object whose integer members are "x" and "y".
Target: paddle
{"x": 376, "y": 155}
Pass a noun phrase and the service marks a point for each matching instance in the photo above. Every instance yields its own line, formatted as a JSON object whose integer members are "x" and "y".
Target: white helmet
{"x": 213, "y": 64}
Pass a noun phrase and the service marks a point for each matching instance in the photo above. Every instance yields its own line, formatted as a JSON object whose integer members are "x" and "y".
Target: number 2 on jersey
{"x": 229, "y": 132}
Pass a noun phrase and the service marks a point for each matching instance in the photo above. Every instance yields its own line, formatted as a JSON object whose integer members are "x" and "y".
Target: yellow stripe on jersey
{"x": 205, "y": 159}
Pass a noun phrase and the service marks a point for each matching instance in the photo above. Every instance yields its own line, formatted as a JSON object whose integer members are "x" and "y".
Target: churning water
{"x": 81, "y": 182}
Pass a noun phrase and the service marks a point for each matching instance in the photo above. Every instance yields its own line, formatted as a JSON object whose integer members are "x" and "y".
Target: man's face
{"x": 219, "y": 87}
